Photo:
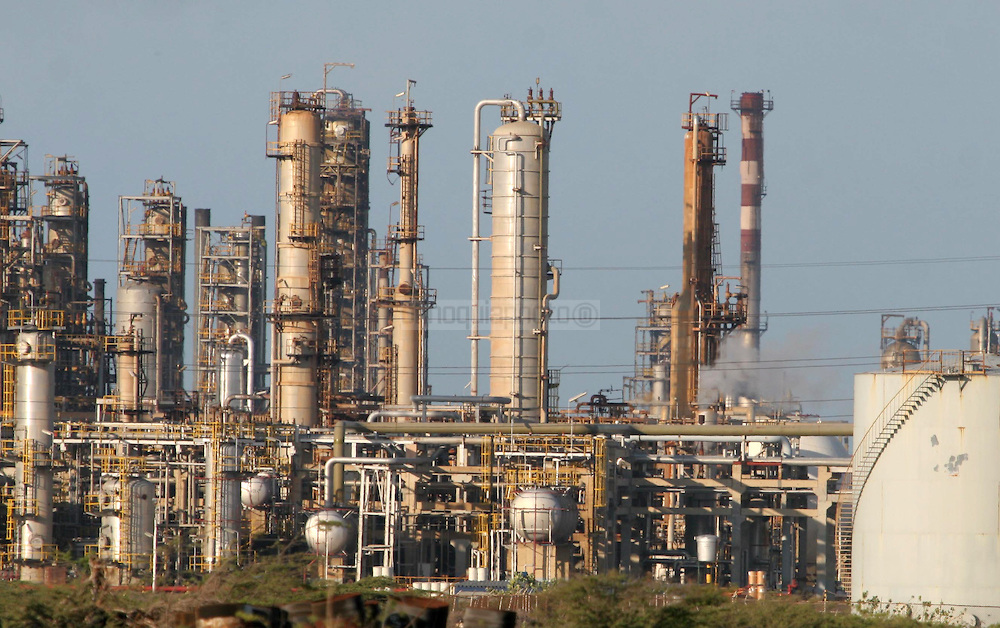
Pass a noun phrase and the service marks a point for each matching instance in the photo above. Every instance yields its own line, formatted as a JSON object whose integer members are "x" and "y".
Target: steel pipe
{"x": 786, "y": 445}
{"x": 475, "y": 238}
{"x": 483, "y": 400}
{"x": 786, "y": 429}
{"x": 412, "y": 414}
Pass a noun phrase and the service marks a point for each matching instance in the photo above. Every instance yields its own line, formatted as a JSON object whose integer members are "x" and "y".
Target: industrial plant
{"x": 250, "y": 388}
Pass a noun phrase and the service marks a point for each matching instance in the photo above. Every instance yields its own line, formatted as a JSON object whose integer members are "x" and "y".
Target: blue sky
{"x": 881, "y": 146}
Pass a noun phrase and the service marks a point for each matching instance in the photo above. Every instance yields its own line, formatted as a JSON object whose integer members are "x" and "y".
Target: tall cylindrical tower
{"x": 202, "y": 219}
{"x": 344, "y": 251}
{"x": 752, "y": 107}
{"x": 409, "y": 300}
{"x": 520, "y": 263}
{"x": 293, "y": 381}
{"x": 151, "y": 276}
{"x": 693, "y": 340}
{"x": 34, "y": 413}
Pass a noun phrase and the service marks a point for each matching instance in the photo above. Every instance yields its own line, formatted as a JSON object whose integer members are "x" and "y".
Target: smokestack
{"x": 751, "y": 107}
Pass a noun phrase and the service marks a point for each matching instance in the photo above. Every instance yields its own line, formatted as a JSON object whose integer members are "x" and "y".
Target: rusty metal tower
{"x": 296, "y": 311}
{"x": 79, "y": 344}
{"x": 151, "y": 307}
{"x": 701, "y": 315}
{"x": 344, "y": 243}
{"x": 230, "y": 284}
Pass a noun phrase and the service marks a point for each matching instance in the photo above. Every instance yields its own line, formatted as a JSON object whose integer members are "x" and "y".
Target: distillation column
{"x": 752, "y": 107}
{"x": 64, "y": 277}
{"x": 293, "y": 380}
{"x": 690, "y": 345}
{"x": 410, "y": 302}
{"x": 34, "y": 413}
{"x": 344, "y": 236}
{"x": 151, "y": 306}
{"x": 520, "y": 264}
{"x": 231, "y": 264}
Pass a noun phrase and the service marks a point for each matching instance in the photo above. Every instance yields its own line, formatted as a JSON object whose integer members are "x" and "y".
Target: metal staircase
{"x": 917, "y": 389}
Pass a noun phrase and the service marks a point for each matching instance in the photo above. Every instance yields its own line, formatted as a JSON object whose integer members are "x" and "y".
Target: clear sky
{"x": 881, "y": 146}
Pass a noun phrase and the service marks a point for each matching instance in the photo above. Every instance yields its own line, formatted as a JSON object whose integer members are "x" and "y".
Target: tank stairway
{"x": 845, "y": 536}
{"x": 899, "y": 409}
{"x": 917, "y": 389}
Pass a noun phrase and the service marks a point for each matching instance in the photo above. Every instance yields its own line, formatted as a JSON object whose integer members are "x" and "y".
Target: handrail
{"x": 869, "y": 443}
{"x": 867, "y": 453}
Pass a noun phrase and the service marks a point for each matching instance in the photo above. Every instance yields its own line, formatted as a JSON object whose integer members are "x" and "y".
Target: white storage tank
{"x": 33, "y": 413}
{"x": 520, "y": 263}
{"x": 328, "y": 532}
{"x": 136, "y": 314}
{"x": 257, "y": 492}
{"x": 542, "y": 515}
{"x": 127, "y": 513}
{"x": 927, "y": 522}
{"x": 231, "y": 376}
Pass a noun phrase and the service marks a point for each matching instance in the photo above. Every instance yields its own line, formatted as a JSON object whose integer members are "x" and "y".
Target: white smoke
{"x": 781, "y": 374}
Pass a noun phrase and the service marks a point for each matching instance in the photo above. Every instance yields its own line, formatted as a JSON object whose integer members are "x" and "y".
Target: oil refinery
{"x": 306, "y": 418}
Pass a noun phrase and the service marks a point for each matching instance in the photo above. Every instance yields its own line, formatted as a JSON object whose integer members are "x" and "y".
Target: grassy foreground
{"x": 610, "y": 601}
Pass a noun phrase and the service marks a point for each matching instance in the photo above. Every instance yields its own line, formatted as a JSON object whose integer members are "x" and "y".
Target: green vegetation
{"x": 609, "y": 601}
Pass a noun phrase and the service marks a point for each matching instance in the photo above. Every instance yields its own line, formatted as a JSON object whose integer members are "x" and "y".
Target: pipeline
{"x": 481, "y": 400}
{"x": 606, "y": 429}
{"x": 786, "y": 445}
{"x": 475, "y": 238}
{"x": 412, "y": 414}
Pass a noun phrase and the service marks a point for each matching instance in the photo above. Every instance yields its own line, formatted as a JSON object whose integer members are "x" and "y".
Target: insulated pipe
{"x": 728, "y": 460}
{"x": 787, "y": 429}
{"x": 336, "y": 494}
{"x": 413, "y": 414}
{"x": 330, "y": 471}
{"x": 475, "y": 239}
{"x": 231, "y": 398}
{"x": 786, "y": 445}
{"x": 483, "y": 400}
{"x": 543, "y": 354}
{"x": 248, "y": 362}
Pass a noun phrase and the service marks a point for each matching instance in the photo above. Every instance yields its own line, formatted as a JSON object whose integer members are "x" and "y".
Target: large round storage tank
{"x": 542, "y": 515}
{"x": 328, "y": 532}
{"x": 823, "y": 447}
{"x": 898, "y": 354}
{"x": 257, "y": 492}
{"x": 926, "y": 524}
{"x": 519, "y": 262}
{"x": 984, "y": 338}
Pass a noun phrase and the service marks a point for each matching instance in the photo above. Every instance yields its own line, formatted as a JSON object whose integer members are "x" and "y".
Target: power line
{"x": 813, "y": 264}
{"x": 879, "y": 310}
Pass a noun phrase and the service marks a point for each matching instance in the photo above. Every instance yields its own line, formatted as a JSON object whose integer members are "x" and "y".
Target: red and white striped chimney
{"x": 751, "y": 106}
